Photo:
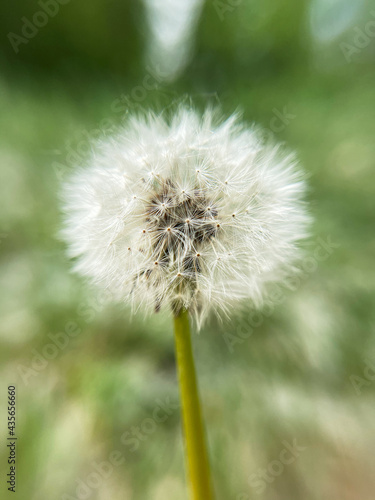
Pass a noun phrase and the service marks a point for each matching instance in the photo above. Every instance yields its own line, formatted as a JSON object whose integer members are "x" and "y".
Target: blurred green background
{"x": 97, "y": 389}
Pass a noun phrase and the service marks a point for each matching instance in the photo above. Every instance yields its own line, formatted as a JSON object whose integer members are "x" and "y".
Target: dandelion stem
{"x": 195, "y": 445}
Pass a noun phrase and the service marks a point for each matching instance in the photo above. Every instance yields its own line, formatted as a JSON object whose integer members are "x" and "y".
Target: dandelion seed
{"x": 206, "y": 189}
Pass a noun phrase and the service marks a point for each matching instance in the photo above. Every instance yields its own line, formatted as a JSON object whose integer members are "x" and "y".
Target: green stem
{"x": 195, "y": 445}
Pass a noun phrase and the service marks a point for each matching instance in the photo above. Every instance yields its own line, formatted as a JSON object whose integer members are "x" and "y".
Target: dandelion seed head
{"x": 188, "y": 213}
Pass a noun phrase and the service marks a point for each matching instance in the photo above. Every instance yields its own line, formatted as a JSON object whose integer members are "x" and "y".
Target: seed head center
{"x": 183, "y": 228}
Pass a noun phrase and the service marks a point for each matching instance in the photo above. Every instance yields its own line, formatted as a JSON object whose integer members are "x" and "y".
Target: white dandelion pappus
{"x": 185, "y": 213}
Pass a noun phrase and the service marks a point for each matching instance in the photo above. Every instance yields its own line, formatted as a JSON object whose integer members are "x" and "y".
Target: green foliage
{"x": 302, "y": 369}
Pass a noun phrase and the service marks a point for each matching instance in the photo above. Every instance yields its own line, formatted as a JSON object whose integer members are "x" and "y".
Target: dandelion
{"x": 190, "y": 215}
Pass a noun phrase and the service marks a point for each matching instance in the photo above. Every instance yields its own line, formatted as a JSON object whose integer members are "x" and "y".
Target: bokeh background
{"x": 90, "y": 378}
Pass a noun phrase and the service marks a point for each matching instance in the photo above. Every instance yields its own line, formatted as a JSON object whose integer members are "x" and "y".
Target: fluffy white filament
{"x": 185, "y": 213}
